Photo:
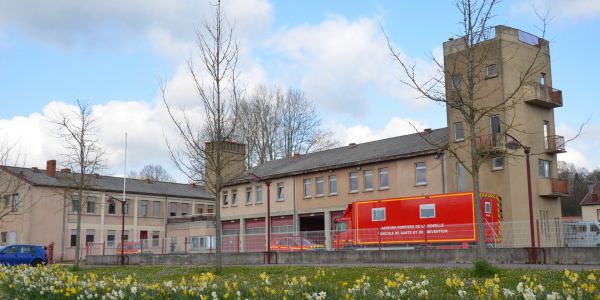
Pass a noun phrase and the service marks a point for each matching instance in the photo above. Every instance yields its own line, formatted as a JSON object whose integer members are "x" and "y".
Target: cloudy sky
{"x": 114, "y": 54}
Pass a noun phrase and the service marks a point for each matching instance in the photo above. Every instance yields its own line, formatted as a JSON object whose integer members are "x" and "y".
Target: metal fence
{"x": 548, "y": 233}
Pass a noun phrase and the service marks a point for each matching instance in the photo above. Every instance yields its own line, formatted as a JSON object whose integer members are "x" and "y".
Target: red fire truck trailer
{"x": 444, "y": 219}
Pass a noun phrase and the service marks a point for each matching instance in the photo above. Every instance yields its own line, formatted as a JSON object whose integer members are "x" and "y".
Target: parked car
{"x": 132, "y": 248}
{"x": 582, "y": 234}
{"x": 33, "y": 255}
{"x": 292, "y": 244}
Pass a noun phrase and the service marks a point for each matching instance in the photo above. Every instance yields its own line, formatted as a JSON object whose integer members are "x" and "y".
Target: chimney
{"x": 65, "y": 170}
{"x": 148, "y": 180}
{"x": 296, "y": 155}
{"x": 51, "y": 168}
{"x": 35, "y": 169}
{"x": 351, "y": 145}
{"x": 427, "y": 131}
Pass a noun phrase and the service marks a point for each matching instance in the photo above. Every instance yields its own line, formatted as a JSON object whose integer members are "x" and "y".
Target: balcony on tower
{"x": 554, "y": 144}
{"x": 542, "y": 95}
{"x": 553, "y": 187}
{"x": 490, "y": 143}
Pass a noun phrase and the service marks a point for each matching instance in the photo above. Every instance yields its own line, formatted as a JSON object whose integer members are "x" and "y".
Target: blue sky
{"x": 113, "y": 55}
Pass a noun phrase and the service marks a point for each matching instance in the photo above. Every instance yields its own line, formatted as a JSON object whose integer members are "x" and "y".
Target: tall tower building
{"x": 506, "y": 81}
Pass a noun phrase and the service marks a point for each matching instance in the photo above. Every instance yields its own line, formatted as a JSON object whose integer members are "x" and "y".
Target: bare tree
{"x": 275, "y": 125}
{"x": 152, "y": 172}
{"x": 82, "y": 154}
{"x": 219, "y": 96}
{"x": 465, "y": 77}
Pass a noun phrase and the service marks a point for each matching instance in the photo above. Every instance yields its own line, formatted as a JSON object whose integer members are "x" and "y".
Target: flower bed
{"x": 325, "y": 283}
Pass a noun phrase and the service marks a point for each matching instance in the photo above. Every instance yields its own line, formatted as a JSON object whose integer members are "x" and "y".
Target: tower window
{"x": 491, "y": 71}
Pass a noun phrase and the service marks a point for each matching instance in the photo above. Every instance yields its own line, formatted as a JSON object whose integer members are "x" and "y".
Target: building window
{"x": 491, "y": 71}
{"x": 497, "y": 163}
{"x": 73, "y": 238}
{"x": 126, "y": 235}
{"x": 210, "y": 209}
{"x": 234, "y": 198}
{"x": 353, "y": 182}
{"x": 280, "y": 192}
{"x": 248, "y": 195}
{"x": 258, "y": 194}
{"x": 172, "y": 209}
{"x": 427, "y": 211}
{"x": 156, "y": 209}
{"x": 332, "y": 185}
{"x": 307, "y": 187}
{"x": 421, "y": 173}
{"x": 545, "y": 168}
{"x": 378, "y": 214}
{"x": 383, "y": 178}
{"x": 15, "y": 202}
{"x": 488, "y": 207}
{"x": 456, "y": 82}
{"x": 3, "y": 237}
{"x": 543, "y": 78}
{"x": 185, "y": 209}
{"x": 112, "y": 208}
{"x": 144, "y": 208}
{"x": 74, "y": 204}
{"x": 91, "y": 205}
{"x": 320, "y": 186}
{"x": 368, "y": 180}
{"x": 89, "y": 236}
{"x": 459, "y": 132}
{"x": 155, "y": 238}
{"x": 225, "y": 200}
{"x": 199, "y": 209}
{"x": 110, "y": 238}
{"x": 462, "y": 177}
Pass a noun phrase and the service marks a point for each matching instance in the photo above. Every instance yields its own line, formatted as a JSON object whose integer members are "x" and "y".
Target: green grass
{"x": 551, "y": 279}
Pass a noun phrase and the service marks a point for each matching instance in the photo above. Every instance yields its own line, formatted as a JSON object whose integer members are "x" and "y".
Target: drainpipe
{"x": 64, "y": 227}
{"x": 294, "y": 216}
{"x": 443, "y": 173}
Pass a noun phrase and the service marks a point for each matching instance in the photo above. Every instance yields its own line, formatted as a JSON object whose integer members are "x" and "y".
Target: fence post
{"x": 537, "y": 224}
{"x": 103, "y": 248}
{"x": 163, "y": 246}
{"x": 185, "y": 243}
{"x": 141, "y": 246}
{"x": 301, "y": 241}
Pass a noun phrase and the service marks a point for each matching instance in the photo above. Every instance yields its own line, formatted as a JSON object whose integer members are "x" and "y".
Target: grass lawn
{"x": 293, "y": 282}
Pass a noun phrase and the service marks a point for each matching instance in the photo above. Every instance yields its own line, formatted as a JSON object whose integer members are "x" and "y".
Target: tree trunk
{"x": 78, "y": 236}
{"x": 218, "y": 232}
{"x": 481, "y": 246}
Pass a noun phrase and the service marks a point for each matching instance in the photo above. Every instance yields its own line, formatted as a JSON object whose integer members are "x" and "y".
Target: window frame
{"x": 384, "y": 172}
{"x": 156, "y": 212}
{"x": 426, "y": 207}
{"x": 258, "y": 195}
{"x": 280, "y": 191}
{"x": 172, "y": 213}
{"x": 374, "y": 210}
{"x": 488, "y": 207}
{"x": 234, "y": 198}
{"x": 109, "y": 242}
{"x": 333, "y": 183}
{"x": 420, "y": 168}
{"x": 144, "y": 208}
{"x": 319, "y": 185}
{"x": 545, "y": 169}
{"x": 224, "y": 200}
{"x": 453, "y": 84}
{"x": 368, "y": 179}
{"x": 493, "y": 162}
{"x": 487, "y": 71}
{"x": 307, "y": 187}
{"x": 90, "y": 203}
{"x": 464, "y": 172}
{"x": 462, "y": 131}
{"x": 353, "y": 177}
{"x": 186, "y": 211}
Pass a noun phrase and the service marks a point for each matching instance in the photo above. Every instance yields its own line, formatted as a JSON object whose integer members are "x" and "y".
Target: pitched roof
{"x": 38, "y": 177}
{"x": 591, "y": 198}
{"x": 399, "y": 147}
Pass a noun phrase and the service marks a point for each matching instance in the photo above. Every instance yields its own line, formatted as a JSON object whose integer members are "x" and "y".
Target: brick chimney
{"x": 51, "y": 168}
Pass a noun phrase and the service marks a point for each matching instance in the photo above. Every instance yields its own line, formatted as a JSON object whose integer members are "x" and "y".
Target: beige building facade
{"x": 590, "y": 204}
{"x": 44, "y": 211}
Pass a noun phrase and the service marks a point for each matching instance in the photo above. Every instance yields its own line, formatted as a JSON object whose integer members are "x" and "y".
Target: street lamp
{"x": 112, "y": 199}
{"x": 256, "y": 178}
{"x": 516, "y": 144}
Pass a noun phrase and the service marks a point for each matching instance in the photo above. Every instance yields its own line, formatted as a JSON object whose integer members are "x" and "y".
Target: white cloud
{"x": 564, "y": 9}
{"x": 338, "y": 61}
{"x": 168, "y": 25}
{"x": 362, "y": 133}
{"x": 581, "y": 149}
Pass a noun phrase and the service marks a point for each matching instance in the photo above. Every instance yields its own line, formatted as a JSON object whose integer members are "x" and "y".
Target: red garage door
{"x": 231, "y": 236}
{"x": 255, "y": 235}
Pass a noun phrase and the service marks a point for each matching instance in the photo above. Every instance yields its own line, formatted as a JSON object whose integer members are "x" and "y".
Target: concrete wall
{"x": 583, "y": 256}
